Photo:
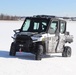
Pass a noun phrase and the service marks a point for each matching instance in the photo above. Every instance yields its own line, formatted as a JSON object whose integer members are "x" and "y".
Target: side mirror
{"x": 17, "y": 30}
{"x": 67, "y": 33}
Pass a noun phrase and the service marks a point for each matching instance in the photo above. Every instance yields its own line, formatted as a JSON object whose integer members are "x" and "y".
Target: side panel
{"x": 51, "y": 42}
{"x": 61, "y": 44}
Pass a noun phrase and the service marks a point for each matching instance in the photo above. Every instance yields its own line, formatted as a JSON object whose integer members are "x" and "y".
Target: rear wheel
{"x": 39, "y": 52}
{"x": 66, "y": 52}
{"x": 12, "y": 50}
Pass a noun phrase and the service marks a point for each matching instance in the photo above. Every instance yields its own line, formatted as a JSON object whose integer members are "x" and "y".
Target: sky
{"x": 38, "y": 7}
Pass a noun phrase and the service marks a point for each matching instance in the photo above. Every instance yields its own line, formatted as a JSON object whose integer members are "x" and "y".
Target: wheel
{"x": 66, "y": 52}
{"x": 12, "y": 50}
{"x": 39, "y": 52}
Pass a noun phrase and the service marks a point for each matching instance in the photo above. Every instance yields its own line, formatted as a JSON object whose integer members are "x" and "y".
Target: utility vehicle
{"x": 42, "y": 34}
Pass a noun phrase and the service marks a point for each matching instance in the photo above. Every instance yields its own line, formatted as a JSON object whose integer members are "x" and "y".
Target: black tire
{"x": 12, "y": 50}
{"x": 66, "y": 52}
{"x": 39, "y": 52}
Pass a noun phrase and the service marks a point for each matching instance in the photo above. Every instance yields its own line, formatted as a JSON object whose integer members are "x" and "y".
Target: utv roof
{"x": 44, "y": 16}
{"x": 47, "y": 17}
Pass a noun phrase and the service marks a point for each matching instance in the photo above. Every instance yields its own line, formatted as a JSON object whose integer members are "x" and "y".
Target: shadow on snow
{"x": 22, "y": 55}
{"x": 28, "y": 56}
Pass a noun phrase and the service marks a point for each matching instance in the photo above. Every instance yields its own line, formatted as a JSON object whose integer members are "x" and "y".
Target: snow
{"x": 24, "y": 63}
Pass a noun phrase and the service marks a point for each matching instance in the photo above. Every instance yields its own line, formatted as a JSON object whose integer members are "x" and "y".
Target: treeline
{"x": 8, "y": 17}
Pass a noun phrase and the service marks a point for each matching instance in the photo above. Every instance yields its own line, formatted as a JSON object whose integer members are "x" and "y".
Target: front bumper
{"x": 23, "y": 47}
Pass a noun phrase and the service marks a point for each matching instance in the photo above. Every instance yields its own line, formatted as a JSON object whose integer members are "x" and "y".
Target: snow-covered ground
{"x": 24, "y": 64}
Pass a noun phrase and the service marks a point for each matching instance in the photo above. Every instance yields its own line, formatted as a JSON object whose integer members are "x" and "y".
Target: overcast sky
{"x": 34, "y": 7}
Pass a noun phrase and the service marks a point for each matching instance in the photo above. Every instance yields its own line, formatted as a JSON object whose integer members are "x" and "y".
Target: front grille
{"x": 23, "y": 39}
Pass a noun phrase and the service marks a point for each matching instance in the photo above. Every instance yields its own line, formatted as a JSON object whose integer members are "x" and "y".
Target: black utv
{"x": 42, "y": 34}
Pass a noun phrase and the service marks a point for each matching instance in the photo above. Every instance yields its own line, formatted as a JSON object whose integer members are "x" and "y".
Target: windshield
{"x": 35, "y": 25}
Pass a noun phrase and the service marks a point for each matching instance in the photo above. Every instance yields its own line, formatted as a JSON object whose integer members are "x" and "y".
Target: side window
{"x": 62, "y": 27}
{"x": 53, "y": 27}
{"x": 44, "y": 25}
{"x": 36, "y": 26}
{"x": 40, "y": 26}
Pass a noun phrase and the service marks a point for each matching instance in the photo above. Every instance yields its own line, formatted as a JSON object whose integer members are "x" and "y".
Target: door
{"x": 52, "y": 38}
{"x": 61, "y": 37}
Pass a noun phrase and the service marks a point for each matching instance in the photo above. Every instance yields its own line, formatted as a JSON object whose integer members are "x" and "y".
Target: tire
{"x": 39, "y": 52}
{"x": 66, "y": 52}
{"x": 12, "y": 50}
